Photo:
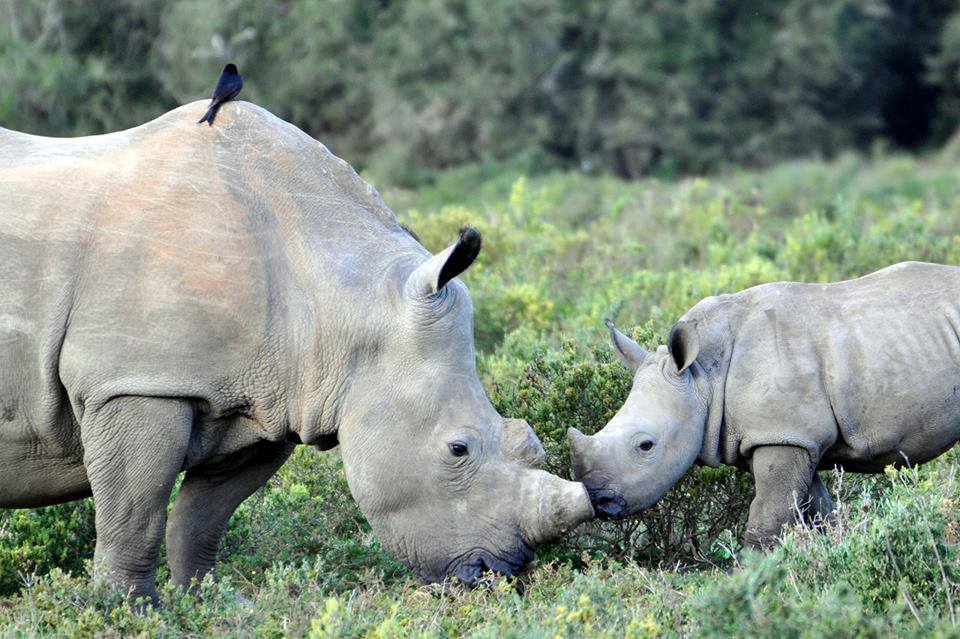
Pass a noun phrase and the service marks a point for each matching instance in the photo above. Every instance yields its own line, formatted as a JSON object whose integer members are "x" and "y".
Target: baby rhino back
{"x": 864, "y": 373}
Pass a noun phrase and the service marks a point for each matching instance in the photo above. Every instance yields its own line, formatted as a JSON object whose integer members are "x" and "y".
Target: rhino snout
{"x": 608, "y": 503}
{"x": 476, "y": 565}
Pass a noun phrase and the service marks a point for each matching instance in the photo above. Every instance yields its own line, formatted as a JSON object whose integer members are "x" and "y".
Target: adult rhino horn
{"x": 520, "y": 443}
{"x": 560, "y": 507}
{"x": 433, "y": 275}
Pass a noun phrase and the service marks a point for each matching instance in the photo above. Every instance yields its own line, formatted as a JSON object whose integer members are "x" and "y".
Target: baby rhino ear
{"x": 683, "y": 344}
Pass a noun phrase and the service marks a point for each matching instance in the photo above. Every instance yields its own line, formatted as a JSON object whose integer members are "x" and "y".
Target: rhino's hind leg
{"x": 783, "y": 476}
{"x": 134, "y": 448}
{"x": 207, "y": 499}
{"x": 818, "y": 509}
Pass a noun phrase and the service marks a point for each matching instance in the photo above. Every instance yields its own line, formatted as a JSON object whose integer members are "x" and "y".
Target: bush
{"x": 306, "y": 512}
{"x": 404, "y": 89}
{"x": 34, "y": 541}
{"x": 761, "y": 601}
{"x": 887, "y": 566}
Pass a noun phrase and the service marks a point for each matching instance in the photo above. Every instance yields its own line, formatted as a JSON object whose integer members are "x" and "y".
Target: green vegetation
{"x": 562, "y": 251}
{"x": 403, "y": 88}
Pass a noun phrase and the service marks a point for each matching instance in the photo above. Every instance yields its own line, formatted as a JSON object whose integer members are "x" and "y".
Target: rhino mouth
{"x": 472, "y": 569}
{"x": 608, "y": 503}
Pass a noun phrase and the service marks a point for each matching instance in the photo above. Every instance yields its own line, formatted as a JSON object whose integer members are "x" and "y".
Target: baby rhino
{"x": 782, "y": 380}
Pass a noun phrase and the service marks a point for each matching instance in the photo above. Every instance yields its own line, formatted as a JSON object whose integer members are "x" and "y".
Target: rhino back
{"x": 176, "y": 260}
{"x": 862, "y": 372}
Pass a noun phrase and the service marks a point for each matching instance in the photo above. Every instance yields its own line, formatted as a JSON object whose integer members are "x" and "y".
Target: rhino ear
{"x": 683, "y": 344}
{"x": 628, "y": 351}
{"x": 431, "y": 276}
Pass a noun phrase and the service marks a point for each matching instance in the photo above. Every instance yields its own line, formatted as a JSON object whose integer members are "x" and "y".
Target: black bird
{"x": 228, "y": 87}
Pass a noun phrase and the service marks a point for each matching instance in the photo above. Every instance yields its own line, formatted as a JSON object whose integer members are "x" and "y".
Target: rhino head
{"x": 655, "y": 436}
{"x": 448, "y": 485}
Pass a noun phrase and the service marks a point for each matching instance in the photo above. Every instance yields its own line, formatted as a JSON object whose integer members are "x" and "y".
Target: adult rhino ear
{"x": 628, "y": 351}
{"x": 431, "y": 276}
{"x": 683, "y": 344}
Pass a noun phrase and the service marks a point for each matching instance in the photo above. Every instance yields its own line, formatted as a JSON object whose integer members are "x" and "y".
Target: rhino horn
{"x": 431, "y": 276}
{"x": 581, "y": 449}
{"x": 521, "y": 444}
{"x": 561, "y": 506}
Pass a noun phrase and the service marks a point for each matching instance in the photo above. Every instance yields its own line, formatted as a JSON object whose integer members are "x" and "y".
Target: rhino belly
{"x": 39, "y": 467}
{"x": 41, "y": 457}
{"x": 906, "y": 431}
{"x": 31, "y": 481}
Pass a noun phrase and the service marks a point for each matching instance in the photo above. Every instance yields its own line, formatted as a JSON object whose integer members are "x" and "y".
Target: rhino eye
{"x": 458, "y": 449}
{"x": 645, "y": 445}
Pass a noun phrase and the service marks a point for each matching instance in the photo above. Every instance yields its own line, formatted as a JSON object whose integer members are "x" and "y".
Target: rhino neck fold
{"x": 716, "y": 319}
{"x": 328, "y": 369}
{"x": 710, "y": 449}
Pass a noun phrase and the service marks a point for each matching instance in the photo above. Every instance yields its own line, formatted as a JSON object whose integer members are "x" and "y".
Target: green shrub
{"x": 305, "y": 512}
{"x": 896, "y": 544}
{"x": 35, "y": 541}
{"x": 761, "y": 601}
{"x": 888, "y": 565}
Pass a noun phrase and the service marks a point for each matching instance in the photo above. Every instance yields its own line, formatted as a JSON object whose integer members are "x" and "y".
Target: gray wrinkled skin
{"x": 188, "y": 298}
{"x": 782, "y": 380}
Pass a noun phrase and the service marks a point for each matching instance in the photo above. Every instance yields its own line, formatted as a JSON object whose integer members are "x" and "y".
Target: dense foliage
{"x": 406, "y": 87}
{"x": 562, "y": 251}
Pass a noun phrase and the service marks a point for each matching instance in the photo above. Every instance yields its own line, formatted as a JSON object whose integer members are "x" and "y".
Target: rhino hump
{"x": 180, "y": 259}
{"x": 172, "y": 146}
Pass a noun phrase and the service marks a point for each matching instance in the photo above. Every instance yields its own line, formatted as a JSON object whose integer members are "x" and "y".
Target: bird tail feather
{"x": 209, "y": 115}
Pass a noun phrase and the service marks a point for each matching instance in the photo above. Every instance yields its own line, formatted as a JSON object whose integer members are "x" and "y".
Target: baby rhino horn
{"x": 581, "y": 449}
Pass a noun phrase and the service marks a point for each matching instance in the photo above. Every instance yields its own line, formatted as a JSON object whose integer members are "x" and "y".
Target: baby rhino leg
{"x": 783, "y": 476}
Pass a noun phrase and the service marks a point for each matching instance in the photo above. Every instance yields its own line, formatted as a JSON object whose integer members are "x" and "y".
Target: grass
{"x": 885, "y": 568}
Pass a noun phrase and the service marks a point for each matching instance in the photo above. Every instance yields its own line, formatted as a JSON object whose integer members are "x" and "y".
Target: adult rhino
{"x": 188, "y": 298}
{"x": 783, "y": 380}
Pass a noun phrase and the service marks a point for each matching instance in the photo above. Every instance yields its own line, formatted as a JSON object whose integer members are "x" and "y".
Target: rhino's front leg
{"x": 782, "y": 476}
{"x": 207, "y": 499}
{"x": 134, "y": 448}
